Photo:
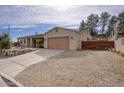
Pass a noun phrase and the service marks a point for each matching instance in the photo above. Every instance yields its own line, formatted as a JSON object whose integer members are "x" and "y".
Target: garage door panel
{"x": 58, "y": 43}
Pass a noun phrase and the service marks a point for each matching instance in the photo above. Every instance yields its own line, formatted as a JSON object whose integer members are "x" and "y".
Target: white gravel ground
{"x": 76, "y": 68}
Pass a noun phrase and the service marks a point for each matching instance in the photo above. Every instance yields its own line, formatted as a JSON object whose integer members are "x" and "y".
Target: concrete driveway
{"x": 2, "y": 83}
{"x": 14, "y": 65}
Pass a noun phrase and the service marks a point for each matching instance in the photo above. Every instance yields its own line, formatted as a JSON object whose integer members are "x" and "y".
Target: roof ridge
{"x": 74, "y": 30}
{"x": 66, "y": 28}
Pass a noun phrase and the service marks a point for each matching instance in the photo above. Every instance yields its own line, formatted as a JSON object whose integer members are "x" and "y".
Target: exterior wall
{"x": 83, "y": 36}
{"x": 73, "y": 37}
{"x": 119, "y": 45}
{"x": 31, "y": 45}
{"x": 28, "y": 42}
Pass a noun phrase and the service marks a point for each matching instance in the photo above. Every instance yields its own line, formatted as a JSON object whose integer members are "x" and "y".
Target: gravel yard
{"x": 76, "y": 68}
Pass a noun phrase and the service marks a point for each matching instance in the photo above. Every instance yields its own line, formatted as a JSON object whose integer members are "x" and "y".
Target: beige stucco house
{"x": 58, "y": 38}
{"x": 63, "y": 38}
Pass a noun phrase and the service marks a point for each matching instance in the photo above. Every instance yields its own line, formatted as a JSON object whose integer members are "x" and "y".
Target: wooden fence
{"x": 97, "y": 45}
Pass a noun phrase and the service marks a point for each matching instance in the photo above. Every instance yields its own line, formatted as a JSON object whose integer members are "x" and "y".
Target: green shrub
{"x": 122, "y": 55}
{"x": 4, "y": 41}
{"x": 39, "y": 42}
{"x": 113, "y": 49}
{"x": 108, "y": 48}
{"x": 118, "y": 51}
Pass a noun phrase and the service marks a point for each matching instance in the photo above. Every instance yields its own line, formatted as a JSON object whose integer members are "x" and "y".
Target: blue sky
{"x": 27, "y": 20}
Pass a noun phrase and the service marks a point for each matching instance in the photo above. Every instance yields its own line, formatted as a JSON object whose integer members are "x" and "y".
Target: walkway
{"x": 14, "y": 65}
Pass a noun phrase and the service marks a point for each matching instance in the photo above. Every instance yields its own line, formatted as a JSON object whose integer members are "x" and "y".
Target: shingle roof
{"x": 38, "y": 35}
{"x": 68, "y": 29}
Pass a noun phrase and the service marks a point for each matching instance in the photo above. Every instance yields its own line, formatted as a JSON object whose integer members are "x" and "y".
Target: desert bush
{"x": 116, "y": 51}
{"x": 39, "y": 43}
{"x": 113, "y": 50}
{"x": 122, "y": 55}
{"x": 4, "y": 41}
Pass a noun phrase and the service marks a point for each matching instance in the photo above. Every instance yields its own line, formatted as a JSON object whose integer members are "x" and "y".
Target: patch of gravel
{"x": 76, "y": 68}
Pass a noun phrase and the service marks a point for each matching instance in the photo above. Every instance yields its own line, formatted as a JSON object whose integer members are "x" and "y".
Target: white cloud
{"x": 51, "y": 14}
{"x": 73, "y": 27}
{"x": 18, "y": 30}
{"x": 20, "y": 26}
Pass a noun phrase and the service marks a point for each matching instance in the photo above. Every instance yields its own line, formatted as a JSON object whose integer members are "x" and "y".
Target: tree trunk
{"x": 103, "y": 28}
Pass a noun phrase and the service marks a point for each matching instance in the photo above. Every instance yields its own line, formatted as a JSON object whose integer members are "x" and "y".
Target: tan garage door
{"x": 58, "y": 43}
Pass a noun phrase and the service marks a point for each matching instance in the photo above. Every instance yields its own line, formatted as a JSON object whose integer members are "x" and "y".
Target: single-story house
{"x": 29, "y": 41}
{"x": 59, "y": 38}
{"x": 63, "y": 38}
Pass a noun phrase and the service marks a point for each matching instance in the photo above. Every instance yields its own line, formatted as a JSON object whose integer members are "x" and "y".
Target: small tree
{"x": 92, "y": 23}
{"x": 4, "y": 41}
{"x": 121, "y": 23}
{"x": 39, "y": 42}
{"x": 104, "y": 20}
{"x": 112, "y": 25}
{"x": 83, "y": 26}
{"x": 121, "y": 28}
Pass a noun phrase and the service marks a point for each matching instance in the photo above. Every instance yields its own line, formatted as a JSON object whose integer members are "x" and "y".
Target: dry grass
{"x": 76, "y": 68}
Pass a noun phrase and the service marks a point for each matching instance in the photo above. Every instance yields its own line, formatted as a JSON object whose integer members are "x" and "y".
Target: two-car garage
{"x": 58, "y": 43}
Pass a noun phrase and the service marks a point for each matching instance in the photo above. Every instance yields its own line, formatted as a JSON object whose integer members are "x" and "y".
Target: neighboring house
{"x": 115, "y": 34}
{"x": 63, "y": 38}
{"x": 58, "y": 38}
{"x": 29, "y": 41}
{"x": 119, "y": 44}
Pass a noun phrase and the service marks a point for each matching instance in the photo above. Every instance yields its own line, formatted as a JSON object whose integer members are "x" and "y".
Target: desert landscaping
{"x": 82, "y": 46}
{"x": 76, "y": 68}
